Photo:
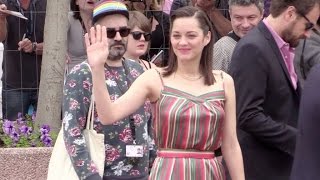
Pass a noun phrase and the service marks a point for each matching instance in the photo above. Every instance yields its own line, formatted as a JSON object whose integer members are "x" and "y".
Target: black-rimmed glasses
{"x": 112, "y": 32}
{"x": 309, "y": 24}
{"x": 137, "y": 35}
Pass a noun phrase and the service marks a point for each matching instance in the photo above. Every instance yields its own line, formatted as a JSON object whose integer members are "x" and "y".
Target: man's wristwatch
{"x": 34, "y": 46}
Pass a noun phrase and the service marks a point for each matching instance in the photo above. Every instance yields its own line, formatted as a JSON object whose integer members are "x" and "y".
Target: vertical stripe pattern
{"x": 187, "y": 122}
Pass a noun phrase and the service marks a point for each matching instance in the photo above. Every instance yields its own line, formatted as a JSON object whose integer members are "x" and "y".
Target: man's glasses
{"x": 309, "y": 24}
{"x": 112, "y": 32}
{"x": 137, "y": 35}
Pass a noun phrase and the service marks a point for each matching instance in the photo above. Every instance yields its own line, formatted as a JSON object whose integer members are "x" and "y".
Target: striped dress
{"x": 186, "y": 123}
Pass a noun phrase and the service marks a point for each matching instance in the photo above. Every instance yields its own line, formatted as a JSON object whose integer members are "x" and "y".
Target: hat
{"x": 109, "y": 7}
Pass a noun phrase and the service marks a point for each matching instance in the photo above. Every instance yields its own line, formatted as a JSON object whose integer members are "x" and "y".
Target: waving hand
{"x": 97, "y": 46}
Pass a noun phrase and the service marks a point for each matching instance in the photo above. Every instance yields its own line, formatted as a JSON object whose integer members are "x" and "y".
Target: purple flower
{"x": 19, "y": 115}
{"x": 32, "y": 144}
{"x": 7, "y": 127}
{"x": 33, "y": 116}
{"x": 45, "y": 129}
{"x": 25, "y": 130}
{"x": 19, "y": 121}
{"x": 14, "y": 136}
{"x": 46, "y": 140}
{"x": 22, "y": 133}
{"x": 20, "y": 118}
{"x": 44, "y": 136}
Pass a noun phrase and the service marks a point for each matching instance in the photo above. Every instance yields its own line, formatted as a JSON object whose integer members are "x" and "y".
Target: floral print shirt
{"x": 77, "y": 93}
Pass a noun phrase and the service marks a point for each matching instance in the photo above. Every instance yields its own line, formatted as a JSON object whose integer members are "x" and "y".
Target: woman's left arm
{"x": 231, "y": 150}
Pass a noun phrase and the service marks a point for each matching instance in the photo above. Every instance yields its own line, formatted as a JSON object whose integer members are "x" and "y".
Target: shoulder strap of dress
{"x": 149, "y": 64}
{"x": 160, "y": 77}
{"x": 222, "y": 80}
{"x": 142, "y": 62}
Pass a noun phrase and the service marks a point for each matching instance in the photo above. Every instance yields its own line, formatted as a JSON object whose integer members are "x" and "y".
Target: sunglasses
{"x": 112, "y": 32}
{"x": 137, "y": 35}
{"x": 309, "y": 24}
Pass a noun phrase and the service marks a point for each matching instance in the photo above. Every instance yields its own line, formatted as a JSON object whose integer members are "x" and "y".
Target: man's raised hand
{"x": 97, "y": 46}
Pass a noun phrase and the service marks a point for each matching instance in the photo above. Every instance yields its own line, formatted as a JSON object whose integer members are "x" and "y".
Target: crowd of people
{"x": 206, "y": 89}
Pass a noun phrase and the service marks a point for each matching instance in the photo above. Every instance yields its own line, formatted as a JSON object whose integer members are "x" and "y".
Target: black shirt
{"x": 20, "y": 69}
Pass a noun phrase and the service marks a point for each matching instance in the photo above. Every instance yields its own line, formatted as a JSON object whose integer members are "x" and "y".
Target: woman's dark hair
{"x": 303, "y": 7}
{"x": 75, "y": 9}
{"x": 207, "y": 53}
{"x": 138, "y": 19}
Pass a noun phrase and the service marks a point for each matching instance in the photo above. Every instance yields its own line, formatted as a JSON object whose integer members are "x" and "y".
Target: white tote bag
{"x": 60, "y": 166}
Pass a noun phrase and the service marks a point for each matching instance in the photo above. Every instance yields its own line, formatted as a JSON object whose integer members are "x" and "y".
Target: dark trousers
{"x": 15, "y": 101}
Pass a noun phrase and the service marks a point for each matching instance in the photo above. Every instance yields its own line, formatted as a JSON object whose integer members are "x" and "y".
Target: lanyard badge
{"x": 133, "y": 150}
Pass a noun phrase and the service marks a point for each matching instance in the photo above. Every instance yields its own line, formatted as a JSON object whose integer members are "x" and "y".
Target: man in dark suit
{"x": 267, "y": 90}
{"x": 306, "y": 164}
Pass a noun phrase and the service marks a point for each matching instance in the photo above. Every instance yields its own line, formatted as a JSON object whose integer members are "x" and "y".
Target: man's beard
{"x": 116, "y": 53}
{"x": 290, "y": 38}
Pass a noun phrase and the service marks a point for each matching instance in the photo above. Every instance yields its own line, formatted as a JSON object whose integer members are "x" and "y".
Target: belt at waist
{"x": 180, "y": 153}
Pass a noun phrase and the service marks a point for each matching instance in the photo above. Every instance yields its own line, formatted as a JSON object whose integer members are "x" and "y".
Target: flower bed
{"x": 24, "y": 133}
{"x": 25, "y": 149}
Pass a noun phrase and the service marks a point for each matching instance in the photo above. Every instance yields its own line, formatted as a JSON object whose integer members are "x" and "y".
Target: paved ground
{"x": 24, "y": 163}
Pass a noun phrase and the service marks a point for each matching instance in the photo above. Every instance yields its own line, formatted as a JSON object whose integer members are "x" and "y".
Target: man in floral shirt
{"x": 119, "y": 75}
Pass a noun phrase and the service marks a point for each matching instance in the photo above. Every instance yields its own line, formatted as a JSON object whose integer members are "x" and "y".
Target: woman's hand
{"x": 97, "y": 46}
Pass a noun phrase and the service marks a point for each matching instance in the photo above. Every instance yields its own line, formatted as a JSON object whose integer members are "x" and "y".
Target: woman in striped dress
{"x": 194, "y": 107}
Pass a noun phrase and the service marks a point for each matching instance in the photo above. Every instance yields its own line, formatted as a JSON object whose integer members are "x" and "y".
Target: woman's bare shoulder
{"x": 152, "y": 74}
{"x": 147, "y": 63}
{"x": 220, "y": 75}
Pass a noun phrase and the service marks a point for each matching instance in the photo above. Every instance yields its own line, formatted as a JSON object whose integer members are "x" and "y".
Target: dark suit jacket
{"x": 267, "y": 106}
{"x": 307, "y": 158}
